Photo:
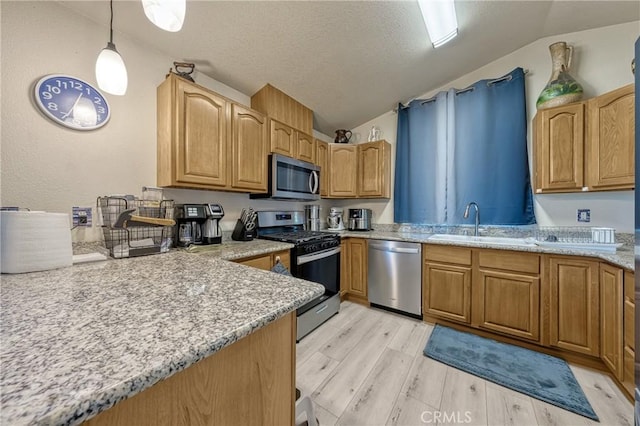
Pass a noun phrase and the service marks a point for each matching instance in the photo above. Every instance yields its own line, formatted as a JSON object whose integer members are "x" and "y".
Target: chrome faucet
{"x": 466, "y": 215}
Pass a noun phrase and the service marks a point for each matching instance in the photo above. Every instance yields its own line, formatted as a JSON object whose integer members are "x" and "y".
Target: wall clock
{"x": 71, "y": 102}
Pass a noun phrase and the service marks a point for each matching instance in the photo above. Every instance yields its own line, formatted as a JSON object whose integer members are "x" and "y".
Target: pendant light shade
{"x": 111, "y": 74}
{"x": 440, "y": 19}
{"x": 165, "y": 14}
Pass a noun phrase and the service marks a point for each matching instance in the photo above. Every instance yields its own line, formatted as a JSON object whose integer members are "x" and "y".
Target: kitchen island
{"x": 77, "y": 340}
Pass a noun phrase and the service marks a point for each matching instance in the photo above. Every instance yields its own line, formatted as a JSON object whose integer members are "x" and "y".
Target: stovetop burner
{"x": 297, "y": 236}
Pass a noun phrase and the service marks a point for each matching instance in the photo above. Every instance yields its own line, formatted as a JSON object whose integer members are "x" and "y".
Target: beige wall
{"x": 48, "y": 167}
{"x": 602, "y": 59}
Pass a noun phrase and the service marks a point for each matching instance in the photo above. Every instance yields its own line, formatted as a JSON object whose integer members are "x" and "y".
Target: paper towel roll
{"x": 34, "y": 241}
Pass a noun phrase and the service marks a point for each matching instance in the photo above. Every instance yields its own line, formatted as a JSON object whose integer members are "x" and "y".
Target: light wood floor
{"x": 365, "y": 367}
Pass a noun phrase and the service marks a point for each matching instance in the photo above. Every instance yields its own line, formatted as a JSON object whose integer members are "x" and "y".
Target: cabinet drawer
{"x": 262, "y": 262}
{"x": 629, "y": 323}
{"x": 448, "y": 254}
{"x": 629, "y": 285}
{"x": 509, "y": 261}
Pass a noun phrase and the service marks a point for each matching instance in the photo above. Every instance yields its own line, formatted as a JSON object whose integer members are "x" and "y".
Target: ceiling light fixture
{"x": 111, "y": 73}
{"x": 440, "y": 19}
{"x": 165, "y": 14}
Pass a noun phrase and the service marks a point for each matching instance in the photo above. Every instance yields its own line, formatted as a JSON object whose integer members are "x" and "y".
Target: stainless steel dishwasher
{"x": 394, "y": 276}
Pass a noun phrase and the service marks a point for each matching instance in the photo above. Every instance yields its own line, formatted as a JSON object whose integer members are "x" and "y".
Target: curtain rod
{"x": 467, "y": 89}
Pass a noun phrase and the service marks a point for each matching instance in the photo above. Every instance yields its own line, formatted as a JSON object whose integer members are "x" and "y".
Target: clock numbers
{"x": 71, "y": 102}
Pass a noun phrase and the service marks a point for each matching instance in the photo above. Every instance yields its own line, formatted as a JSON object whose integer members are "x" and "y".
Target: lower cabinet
{"x": 353, "y": 273}
{"x": 574, "y": 307}
{"x": 268, "y": 261}
{"x": 611, "y": 317}
{"x": 629, "y": 354}
{"x": 446, "y": 283}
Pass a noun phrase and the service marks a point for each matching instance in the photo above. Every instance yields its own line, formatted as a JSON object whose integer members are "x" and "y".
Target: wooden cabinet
{"x": 374, "y": 170}
{"x": 322, "y": 160}
{"x": 293, "y": 143}
{"x": 574, "y": 313}
{"x": 277, "y": 104}
{"x": 343, "y": 163}
{"x": 628, "y": 357}
{"x": 506, "y": 293}
{"x": 362, "y": 171}
{"x": 587, "y": 144}
{"x": 559, "y": 145}
{"x": 206, "y": 141}
{"x": 446, "y": 282}
{"x": 355, "y": 263}
{"x": 250, "y": 382}
{"x": 248, "y": 149}
{"x": 268, "y": 261}
{"x": 611, "y": 317}
{"x": 610, "y": 141}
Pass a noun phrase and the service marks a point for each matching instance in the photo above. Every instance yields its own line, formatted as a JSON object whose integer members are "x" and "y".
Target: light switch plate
{"x": 82, "y": 216}
{"x": 584, "y": 215}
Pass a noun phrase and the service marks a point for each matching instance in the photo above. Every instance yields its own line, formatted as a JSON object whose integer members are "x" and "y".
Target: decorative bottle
{"x": 562, "y": 88}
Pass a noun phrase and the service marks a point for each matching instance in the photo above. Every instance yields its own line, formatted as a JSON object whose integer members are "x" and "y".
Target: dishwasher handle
{"x": 394, "y": 249}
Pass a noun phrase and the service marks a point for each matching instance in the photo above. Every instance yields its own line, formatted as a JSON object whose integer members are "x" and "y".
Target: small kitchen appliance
{"x": 314, "y": 257}
{"x": 191, "y": 220}
{"x": 360, "y": 219}
{"x": 212, "y": 233}
{"x": 291, "y": 179}
{"x": 312, "y": 217}
{"x": 335, "y": 221}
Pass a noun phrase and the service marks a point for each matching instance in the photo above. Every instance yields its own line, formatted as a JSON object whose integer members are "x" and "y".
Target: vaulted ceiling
{"x": 350, "y": 61}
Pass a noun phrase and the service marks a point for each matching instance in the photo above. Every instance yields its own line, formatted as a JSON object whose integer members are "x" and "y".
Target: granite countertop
{"x": 623, "y": 257}
{"x": 77, "y": 340}
{"x": 234, "y": 250}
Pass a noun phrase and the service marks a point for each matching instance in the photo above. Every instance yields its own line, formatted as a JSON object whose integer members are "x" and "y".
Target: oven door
{"x": 322, "y": 267}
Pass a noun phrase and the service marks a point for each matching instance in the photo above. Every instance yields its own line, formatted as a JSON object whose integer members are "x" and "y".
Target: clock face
{"x": 72, "y": 102}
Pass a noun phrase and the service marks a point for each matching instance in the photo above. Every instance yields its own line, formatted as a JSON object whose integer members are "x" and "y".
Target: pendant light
{"x": 440, "y": 19}
{"x": 111, "y": 73}
{"x": 165, "y": 14}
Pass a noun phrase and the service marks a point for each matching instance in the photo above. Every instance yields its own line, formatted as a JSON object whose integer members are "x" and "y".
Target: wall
{"x": 52, "y": 168}
{"x": 602, "y": 59}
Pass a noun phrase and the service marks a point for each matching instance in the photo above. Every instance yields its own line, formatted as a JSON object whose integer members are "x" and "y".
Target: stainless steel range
{"x": 315, "y": 257}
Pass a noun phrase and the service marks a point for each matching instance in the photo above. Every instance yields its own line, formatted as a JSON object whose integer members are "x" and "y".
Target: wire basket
{"x": 135, "y": 240}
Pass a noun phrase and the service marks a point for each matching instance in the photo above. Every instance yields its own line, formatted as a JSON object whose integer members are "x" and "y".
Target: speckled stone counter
{"x": 233, "y": 250}
{"x": 623, "y": 257}
{"x": 77, "y": 340}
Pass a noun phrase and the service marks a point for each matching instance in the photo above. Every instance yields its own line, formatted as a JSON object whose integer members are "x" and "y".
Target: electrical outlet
{"x": 584, "y": 215}
{"x": 82, "y": 216}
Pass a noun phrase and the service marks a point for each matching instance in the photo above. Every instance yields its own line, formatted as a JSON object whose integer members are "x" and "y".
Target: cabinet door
{"x": 610, "y": 142}
{"x": 249, "y": 149}
{"x": 322, "y": 160}
{"x": 306, "y": 147}
{"x": 508, "y": 303}
{"x": 628, "y": 379}
{"x": 201, "y": 136}
{"x": 559, "y": 152}
{"x": 374, "y": 170}
{"x": 611, "y": 318}
{"x": 262, "y": 262}
{"x": 574, "y": 305}
{"x": 282, "y": 139}
{"x": 357, "y": 279}
{"x": 343, "y": 164}
{"x": 446, "y": 291}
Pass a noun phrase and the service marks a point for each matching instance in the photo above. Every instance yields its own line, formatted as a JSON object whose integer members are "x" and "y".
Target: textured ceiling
{"x": 350, "y": 61}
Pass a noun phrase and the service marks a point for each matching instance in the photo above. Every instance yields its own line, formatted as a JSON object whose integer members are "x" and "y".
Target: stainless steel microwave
{"x": 291, "y": 179}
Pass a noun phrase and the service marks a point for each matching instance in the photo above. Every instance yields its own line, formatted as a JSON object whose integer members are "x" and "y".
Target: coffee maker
{"x": 212, "y": 233}
{"x": 198, "y": 224}
{"x": 335, "y": 221}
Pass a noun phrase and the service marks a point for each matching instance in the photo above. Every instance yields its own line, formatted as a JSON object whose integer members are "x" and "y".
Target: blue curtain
{"x": 468, "y": 145}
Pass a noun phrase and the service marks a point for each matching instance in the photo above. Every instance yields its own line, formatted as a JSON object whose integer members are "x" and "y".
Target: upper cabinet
{"x": 206, "y": 141}
{"x": 586, "y": 145}
{"x": 282, "y": 107}
{"x": 362, "y": 171}
{"x": 610, "y": 142}
{"x": 293, "y": 143}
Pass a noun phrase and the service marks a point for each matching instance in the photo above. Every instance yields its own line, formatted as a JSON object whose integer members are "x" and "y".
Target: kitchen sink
{"x": 499, "y": 241}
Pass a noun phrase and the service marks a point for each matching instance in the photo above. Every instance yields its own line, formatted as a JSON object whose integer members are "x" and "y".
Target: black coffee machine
{"x": 190, "y": 223}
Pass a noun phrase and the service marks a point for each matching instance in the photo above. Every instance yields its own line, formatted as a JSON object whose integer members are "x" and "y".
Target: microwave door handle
{"x": 316, "y": 182}
{"x": 310, "y": 182}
